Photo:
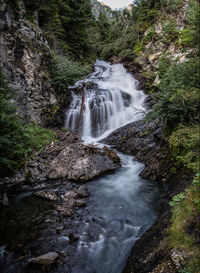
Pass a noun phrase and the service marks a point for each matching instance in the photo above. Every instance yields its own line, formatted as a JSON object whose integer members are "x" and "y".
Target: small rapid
{"x": 122, "y": 205}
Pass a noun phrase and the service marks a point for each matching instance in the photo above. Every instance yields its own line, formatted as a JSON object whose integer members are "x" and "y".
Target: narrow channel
{"x": 123, "y": 205}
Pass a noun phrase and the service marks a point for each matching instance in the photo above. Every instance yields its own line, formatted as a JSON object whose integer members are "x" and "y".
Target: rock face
{"x": 144, "y": 141}
{"x": 98, "y": 8}
{"x": 26, "y": 59}
{"x": 82, "y": 163}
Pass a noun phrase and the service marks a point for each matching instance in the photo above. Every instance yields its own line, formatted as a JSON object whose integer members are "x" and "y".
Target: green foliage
{"x": 126, "y": 53}
{"x": 196, "y": 179}
{"x": 183, "y": 212}
{"x": 171, "y": 5}
{"x": 178, "y": 99}
{"x": 38, "y": 136}
{"x": 185, "y": 146}
{"x": 17, "y": 140}
{"x": 176, "y": 199}
{"x": 193, "y": 23}
{"x": 138, "y": 48}
{"x": 66, "y": 72}
{"x": 65, "y": 23}
{"x": 184, "y": 271}
{"x": 164, "y": 65}
{"x": 170, "y": 33}
{"x": 13, "y": 148}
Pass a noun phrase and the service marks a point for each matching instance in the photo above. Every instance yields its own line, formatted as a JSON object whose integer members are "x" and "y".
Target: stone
{"x": 80, "y": 203}
{"x": 81, "y": 162}
{"x": 69, "y": 198}
{"x": 64, "y": 211}
{"x": 47, "y": 194}
{"x": 178, "y": 258}
{"x": 82, "y": 192}
{"x": 45, "y": 259}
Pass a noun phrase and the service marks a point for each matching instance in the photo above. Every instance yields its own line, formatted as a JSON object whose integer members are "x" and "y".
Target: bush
{"x": 170, "y": 33}
{"x": 107, "y": 52}
{"x": 127, "y": 53}
{"x": 139, "y": 47}
{"x": 178, "y": 99}
{"x": 185, "y": 146}
{"x": 66, "y": 72}
{"x": 12, "y": 134}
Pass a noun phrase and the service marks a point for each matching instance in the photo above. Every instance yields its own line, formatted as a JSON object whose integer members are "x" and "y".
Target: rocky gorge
{"x": 63, "y": 212}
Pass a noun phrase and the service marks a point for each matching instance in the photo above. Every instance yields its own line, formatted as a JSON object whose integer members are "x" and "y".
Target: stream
{"x": 122, "y": 205}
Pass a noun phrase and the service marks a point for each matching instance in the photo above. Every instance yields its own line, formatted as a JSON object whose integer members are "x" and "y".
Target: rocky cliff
{"x": 26, "y": 58}
{"x": 100, "y": 8}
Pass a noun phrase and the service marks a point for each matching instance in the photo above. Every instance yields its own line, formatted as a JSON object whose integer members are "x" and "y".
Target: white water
{"x": 121, "y": 208}
{"x": 114, "y": 103}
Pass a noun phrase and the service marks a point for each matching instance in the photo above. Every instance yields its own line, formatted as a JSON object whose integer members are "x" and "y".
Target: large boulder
{"x": 82, "y": 162}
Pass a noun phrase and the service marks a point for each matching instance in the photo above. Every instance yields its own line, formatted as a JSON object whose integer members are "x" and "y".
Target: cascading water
{"x": 111, "y": 101}
{"x": 122, "y": 204}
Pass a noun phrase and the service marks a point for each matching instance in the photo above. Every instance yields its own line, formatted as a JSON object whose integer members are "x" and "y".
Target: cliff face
{"x": 26, "y": 58}
{"x": 100, "y": 8}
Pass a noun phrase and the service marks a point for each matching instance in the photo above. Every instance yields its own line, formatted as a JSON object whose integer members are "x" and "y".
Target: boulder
{"x": 45, "y": 259}
{"x": 81, "y": 162}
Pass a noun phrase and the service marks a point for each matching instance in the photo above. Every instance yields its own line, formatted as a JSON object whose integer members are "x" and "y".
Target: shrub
{"x": 170, "y": 33}
{"x": 66, "y": 72}
{"x": 178, "y": 99}
{"x": 126, "y": 53}
{"x": 185, "y": 146}
{"x": 139, "y": 47}
{"x": 13, "y": 148}
{"x": 107, "y": 52}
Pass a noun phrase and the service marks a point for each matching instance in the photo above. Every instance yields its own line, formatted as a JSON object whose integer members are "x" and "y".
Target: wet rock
{"x": 82, "y": 192}
{"x": 64, "y": 211}
{"x": 144, "y": 141}
{"x": 82, "y": 162}
{"x": 45, "y": 259}
{"x": 50, "y": 195}
{"x": 80, "y": 203}
{"x": 69, "y": 198}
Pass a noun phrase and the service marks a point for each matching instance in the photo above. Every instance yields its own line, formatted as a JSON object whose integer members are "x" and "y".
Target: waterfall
{"x": 111, "y": 101}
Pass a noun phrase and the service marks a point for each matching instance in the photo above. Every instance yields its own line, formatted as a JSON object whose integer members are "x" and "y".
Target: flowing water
{"x": 122, "y": 207}
{"x": 111, "y": 102}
